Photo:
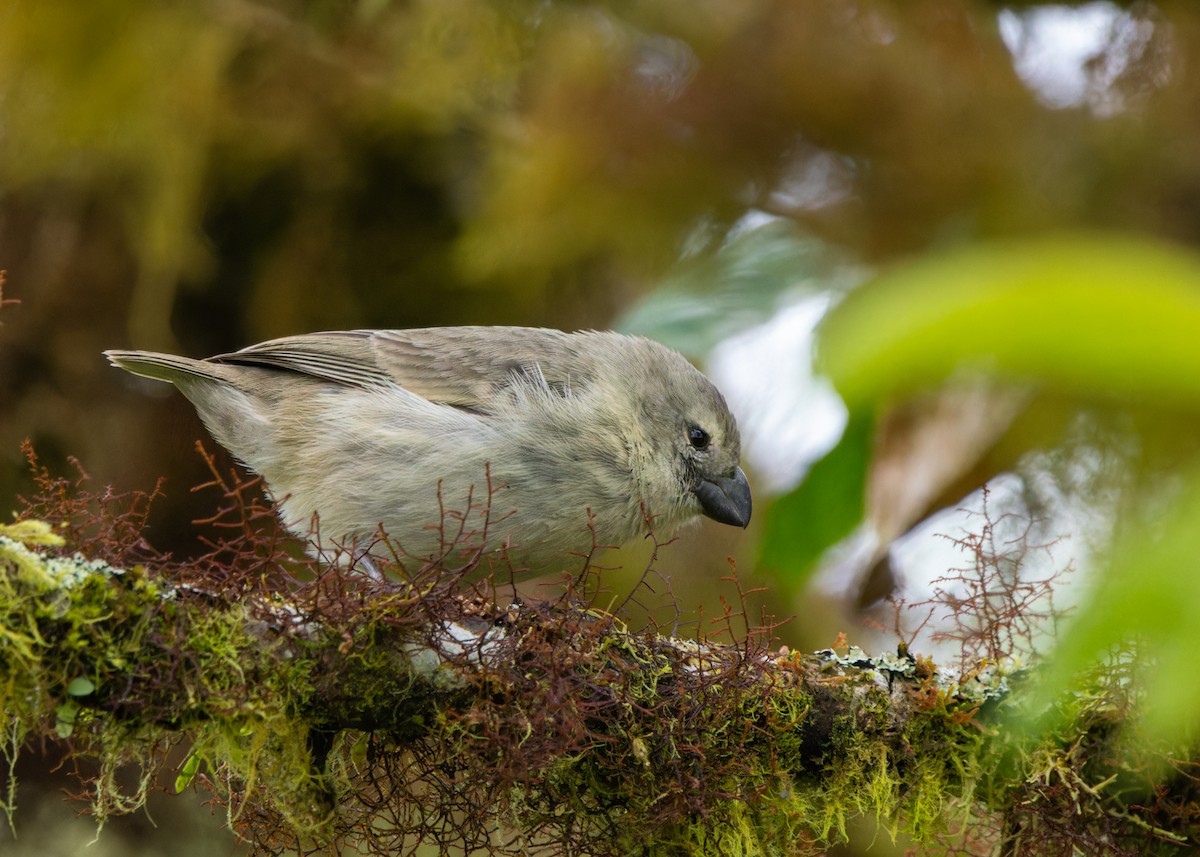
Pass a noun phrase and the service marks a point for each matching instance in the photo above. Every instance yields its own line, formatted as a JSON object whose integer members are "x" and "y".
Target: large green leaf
{"x": 1096, "y": 313}
{"x": 823, "y": 509}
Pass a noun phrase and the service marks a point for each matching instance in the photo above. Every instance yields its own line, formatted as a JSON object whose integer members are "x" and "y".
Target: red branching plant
{"x": 245, "y": 543}
{"x": 105, "y": 525}
{"x": 734, "y": 624}
{"x": 993, "y": 609}
{"x": 543, "y": 696}
{"x": 554, "y": 684}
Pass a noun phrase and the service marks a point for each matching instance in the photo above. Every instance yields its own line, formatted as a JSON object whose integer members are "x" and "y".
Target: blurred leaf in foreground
{"x": 711, "y": 296}
{"x": 1090, "y": 313}
{"x": 1147, "y": 593}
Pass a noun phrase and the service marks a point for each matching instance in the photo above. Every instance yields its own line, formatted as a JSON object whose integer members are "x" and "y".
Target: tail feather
{"x": 166, "y": 367}
{"x": 233, "y": 413}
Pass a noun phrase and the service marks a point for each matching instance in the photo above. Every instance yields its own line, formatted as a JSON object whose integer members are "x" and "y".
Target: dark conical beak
{"x": 725, "y": 498}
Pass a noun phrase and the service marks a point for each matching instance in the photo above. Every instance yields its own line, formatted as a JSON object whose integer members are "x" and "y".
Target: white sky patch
{"x": 820, "y": 180}
{"x": 1051, "y": 46}
{"x": 788, "y": 416}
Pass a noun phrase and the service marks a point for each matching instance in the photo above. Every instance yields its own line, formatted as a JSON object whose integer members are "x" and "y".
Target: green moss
{"x": 764, "y": 790}
{"x": 585, "y": 735}
{"x": 82, "y": 640}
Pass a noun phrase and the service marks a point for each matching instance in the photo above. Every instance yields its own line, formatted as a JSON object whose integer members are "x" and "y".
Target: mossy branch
{"x": 383, "y": 715}
{"x": 556, "y": 719}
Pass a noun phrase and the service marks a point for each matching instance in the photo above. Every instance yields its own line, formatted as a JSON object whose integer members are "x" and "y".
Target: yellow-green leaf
{"x": 1094, "y": 313}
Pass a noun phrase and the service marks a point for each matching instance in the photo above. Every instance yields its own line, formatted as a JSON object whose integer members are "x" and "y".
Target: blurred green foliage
{"x": 1093, "y": 314}
{"x": 708, "y": 297}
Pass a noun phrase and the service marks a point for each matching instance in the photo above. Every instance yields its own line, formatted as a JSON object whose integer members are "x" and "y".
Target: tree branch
{"x": 353, "y": 704}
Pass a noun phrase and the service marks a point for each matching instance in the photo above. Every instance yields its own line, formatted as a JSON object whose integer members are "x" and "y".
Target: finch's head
{"x": 693, "y": 444}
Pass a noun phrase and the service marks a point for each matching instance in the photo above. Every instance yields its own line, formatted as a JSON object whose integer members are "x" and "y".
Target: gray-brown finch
{"x": 518, "y": 437}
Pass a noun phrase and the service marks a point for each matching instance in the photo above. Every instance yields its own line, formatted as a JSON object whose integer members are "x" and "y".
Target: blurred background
{"x": 745, "y": 180}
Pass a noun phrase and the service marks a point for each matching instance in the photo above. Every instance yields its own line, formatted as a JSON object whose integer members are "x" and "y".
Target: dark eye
{"x": 698, "y": 437}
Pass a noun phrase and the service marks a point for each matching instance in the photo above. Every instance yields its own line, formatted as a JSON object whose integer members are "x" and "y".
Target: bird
{"x": 529, "y": 444}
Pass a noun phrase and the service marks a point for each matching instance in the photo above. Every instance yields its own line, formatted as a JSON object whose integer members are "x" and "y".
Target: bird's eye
{"x": 698, "y": 437}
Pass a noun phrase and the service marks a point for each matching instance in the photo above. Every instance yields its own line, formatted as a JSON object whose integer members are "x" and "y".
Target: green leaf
{"x": 1093, "y": 313}
{"x": 823, "y": 509}
{"x": 65, "y": 716}
{"x": 711, "y": 297}
{"x": 187, "y": 773}
{"x": 81, "y": 687}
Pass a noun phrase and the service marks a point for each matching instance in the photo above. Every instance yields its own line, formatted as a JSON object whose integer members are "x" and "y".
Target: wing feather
{"x": 461, "y": 366}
